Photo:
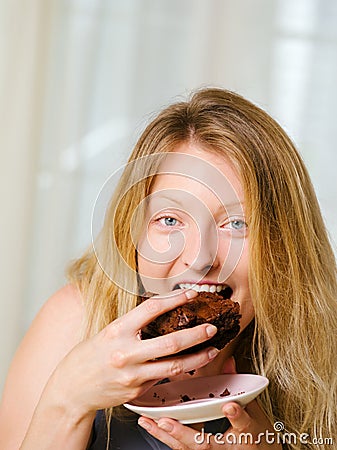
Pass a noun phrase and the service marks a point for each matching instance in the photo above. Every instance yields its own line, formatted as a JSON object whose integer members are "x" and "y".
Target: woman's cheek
{"x": 247, "y": 312}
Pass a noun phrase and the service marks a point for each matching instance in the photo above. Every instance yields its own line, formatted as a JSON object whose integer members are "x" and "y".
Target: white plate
{"x": 197, "y": 399}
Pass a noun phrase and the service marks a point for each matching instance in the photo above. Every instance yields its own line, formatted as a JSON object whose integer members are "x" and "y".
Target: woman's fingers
{"x": 172, "y": 343}
{"x": 136, "y": 362}
{"x": 178, "y": 436}
{"x": 238, "y": 417}
{"x": 170, "y": 367}
{"x": 250, "y": 421}
{"x": 150, "y": 309}
{"x": 161, "y": 433}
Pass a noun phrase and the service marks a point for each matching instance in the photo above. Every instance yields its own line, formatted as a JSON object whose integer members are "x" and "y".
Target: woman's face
{"x": 195, "y": 234}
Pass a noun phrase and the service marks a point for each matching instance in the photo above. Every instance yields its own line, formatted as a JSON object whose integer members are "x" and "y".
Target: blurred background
{"x": 79, "y": 79}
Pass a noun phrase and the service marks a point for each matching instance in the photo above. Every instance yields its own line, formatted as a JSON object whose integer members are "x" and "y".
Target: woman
{"x": 271, "y": 249}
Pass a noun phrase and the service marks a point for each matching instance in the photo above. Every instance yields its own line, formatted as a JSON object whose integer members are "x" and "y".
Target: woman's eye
{"x": 168, "y": 221}
{"x": 238, "y": 224}
{"x": 234, "y": 225}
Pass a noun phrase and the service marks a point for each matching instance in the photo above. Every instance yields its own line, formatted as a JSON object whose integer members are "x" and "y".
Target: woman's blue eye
{"x": 238, "y": 224}
{"x": 234, "y": 225}
{"x": 169, "y": 221}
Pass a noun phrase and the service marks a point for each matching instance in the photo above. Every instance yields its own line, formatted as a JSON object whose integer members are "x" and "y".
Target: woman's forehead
{"x": 192, "y": 169}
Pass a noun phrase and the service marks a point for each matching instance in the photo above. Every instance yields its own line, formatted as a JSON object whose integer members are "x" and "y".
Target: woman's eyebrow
{"x": 167, "y": 197}
{"x": 175, "y": 200}
{"x": 238, "y": 204}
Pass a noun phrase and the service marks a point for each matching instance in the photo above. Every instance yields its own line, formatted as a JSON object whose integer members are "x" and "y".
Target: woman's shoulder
{"x": 55, "y": 330}
{"x": 66, "y": 303}
{"x": 53, "y": 333}
{"x": 60, "y": 319}
{"x": 67, "y": 296}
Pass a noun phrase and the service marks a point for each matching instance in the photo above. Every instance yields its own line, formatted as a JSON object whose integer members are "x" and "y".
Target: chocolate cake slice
{"x": 206, "y": 307}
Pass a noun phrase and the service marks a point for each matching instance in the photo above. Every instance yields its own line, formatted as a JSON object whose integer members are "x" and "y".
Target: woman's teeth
{"x": 203, "y": 287}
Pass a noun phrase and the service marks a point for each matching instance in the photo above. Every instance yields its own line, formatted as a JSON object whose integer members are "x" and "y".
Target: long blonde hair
{"x": 292, "y": 266}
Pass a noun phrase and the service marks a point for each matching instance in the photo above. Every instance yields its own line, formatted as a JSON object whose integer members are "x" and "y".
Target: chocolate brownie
{"x": 206, "y": 307}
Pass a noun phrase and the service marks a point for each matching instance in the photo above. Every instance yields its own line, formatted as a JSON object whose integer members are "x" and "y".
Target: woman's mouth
{"x": 223, "y": 289}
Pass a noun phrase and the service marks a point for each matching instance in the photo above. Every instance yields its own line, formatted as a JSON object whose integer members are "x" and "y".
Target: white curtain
{"x": 79, "y": 80}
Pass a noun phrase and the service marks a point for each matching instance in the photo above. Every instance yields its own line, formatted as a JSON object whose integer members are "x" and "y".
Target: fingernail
{"x": 213, "y": 352}
{"x": 211, "y": 330}
{"x": 144, "y": 424}
{"x": 191, "y": 294}
{"x": 230, "y": 411}
{"x": 166, "y": 426}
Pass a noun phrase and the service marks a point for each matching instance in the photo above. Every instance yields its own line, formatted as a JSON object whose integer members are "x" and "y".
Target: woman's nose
{"x": 201, "y": 250}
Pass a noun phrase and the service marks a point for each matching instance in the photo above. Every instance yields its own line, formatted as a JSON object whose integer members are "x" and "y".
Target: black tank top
{"x": 130, "y": 436}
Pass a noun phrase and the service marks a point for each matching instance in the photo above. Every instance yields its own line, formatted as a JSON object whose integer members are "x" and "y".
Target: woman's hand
{"x": 249, "y": 423}
{"x": 248, "y": 431}
{"x": 116, "y": 366}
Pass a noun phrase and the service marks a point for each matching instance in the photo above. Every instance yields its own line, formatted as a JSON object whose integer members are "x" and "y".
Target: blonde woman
{"x": 214, "y": 194}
